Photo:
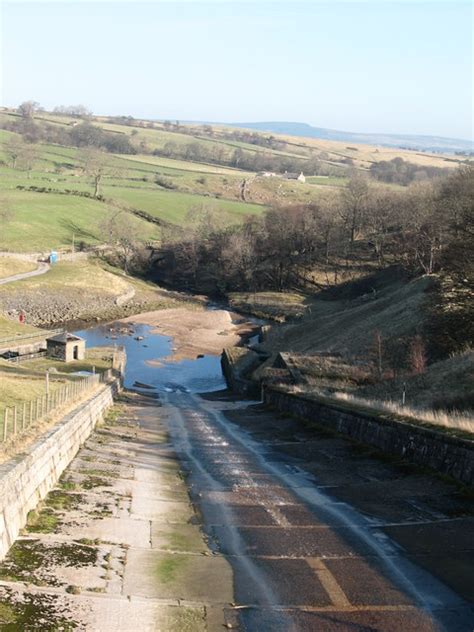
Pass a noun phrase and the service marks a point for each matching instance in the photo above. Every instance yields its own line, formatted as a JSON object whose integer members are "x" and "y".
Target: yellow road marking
{"x": 329, "y": 582}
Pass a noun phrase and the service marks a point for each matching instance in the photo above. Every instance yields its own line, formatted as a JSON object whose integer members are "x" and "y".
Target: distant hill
{"x": 406, "y": 141}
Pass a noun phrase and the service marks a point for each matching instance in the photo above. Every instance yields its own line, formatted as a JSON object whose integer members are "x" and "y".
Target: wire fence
{"x": 25, "y": 337}
{"x": 16, "y": 419}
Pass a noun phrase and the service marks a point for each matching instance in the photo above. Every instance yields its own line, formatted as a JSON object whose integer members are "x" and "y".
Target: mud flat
{"x": 194, "y": 332}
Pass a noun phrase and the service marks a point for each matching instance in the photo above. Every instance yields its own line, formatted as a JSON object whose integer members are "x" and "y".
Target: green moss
{"x": 100, "y": 473}
{"x": 67, "y": 485}
{"x": 44, "y": 521}
{"x": 186, "y": 619}
{"x": 23, "y": 613}
{"x": 7, "y": 614}
{"x": 58, "y": 499}
{"x": 95, "y": 481}
{"x": 30, "y": 561}
{"x": 169, "y": 567}
{"x": 88, "y": 541}
{"x": 101, "y": 511}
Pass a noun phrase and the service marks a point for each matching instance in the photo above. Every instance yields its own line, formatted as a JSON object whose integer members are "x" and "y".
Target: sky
{"x": 374, "y": 66}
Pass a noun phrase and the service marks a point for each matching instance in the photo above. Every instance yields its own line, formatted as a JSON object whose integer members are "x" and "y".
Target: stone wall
{"x": 23, "y": 349}
{"x": 25, "y": 481}
{"x": 421, "y": 445}
{"x": 236, "y": 363}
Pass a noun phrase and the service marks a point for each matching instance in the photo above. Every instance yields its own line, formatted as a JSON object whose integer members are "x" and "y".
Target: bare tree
{"x": 122, "y": 236}
{"x": 27, "y": 109}
{"x": 97, "y": 165}
{"x": 14, "y": 148}
{"x": 77, "y": 111}
{"x": 383, "y": 217}
{"x": 108, "y": 225}
{"x": 22, "y": 155}
{"x": 354, "y": 199}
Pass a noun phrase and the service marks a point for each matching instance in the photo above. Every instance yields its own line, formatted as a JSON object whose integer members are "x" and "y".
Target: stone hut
{"x": 66, "y": 347}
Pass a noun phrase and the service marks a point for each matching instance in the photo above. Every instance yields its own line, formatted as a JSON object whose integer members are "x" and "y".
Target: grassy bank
{"x": 11, "y": 265}
{"x": 26, "y": 381}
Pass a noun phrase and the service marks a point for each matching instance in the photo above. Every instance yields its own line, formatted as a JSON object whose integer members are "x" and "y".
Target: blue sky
{"x": 374, "y": 66}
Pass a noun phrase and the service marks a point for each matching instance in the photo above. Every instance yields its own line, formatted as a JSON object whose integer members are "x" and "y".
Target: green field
{"x": 55, "y": 217}
{"x": 44, "y": 221}
{"x": 165, "y": 188}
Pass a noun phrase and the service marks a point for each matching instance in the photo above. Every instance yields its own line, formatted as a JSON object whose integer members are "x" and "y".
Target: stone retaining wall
{"x": 421, "y": 445}
{"x": 236, "y": 362}
{"x": 26, "y": 480}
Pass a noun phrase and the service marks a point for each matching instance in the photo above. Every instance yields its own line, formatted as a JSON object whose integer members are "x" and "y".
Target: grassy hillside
{"x": 348, "y": 326}
{"x": 44, "y": 221}
{"x": 358, "y": 345}
{"x": 167, "y": 188}
{"x": 84, "y": 290}
{"x": 11, "y": 265}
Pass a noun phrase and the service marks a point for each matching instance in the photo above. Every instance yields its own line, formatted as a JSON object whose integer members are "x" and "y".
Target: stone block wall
{"x": 421, "y": 445}
{"x": 27, "y": 479}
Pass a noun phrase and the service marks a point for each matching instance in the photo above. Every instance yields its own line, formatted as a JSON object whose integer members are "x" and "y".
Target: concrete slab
{"x": 178, "y": 575}
{"x": 177, "y": 537}
{"x": 127, "y": 531}
{"x": 161, "y": 510}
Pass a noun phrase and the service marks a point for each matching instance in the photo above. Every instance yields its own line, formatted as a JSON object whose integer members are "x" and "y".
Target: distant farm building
{"x": 66, "y": 347}
{"x": 294, "y": 176}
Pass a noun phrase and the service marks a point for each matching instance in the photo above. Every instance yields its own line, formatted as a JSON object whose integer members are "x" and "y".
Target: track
{"x": 41, "y": 269}
{"x": 302, "y": 560}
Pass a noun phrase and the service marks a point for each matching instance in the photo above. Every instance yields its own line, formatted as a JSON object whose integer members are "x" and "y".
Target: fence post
{"x": 23, "y": 418}
{"x": 31, "y": 412}
{"x": 14, "y": 421}
{"x": 5, "y": 425}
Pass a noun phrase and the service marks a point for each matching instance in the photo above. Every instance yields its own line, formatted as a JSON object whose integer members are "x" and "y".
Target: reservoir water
{"x": 150, "y": 360}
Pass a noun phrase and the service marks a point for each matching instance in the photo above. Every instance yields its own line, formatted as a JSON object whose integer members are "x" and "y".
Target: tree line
{"x": 255, "y": 161}
{"x": 399, "y": 171}
{"x": 426, "y": 228}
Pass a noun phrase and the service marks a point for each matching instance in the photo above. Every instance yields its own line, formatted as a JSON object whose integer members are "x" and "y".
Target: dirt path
{"x": 41, "y": 269}
{"x": 117, "y": 546}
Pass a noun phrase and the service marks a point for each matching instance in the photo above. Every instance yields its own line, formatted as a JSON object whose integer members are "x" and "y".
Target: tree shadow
{"x": 78, "y": 231}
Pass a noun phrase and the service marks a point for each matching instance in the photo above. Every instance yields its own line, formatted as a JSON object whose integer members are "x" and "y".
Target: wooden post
{"x": 5, "y": 425}
{"x": 14, "y": 420}
{"x": 23, "y": 418}
{"x": 31, "y": 412}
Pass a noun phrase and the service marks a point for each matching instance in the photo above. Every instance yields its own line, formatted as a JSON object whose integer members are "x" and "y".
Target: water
{"x": 192, "y": 376}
